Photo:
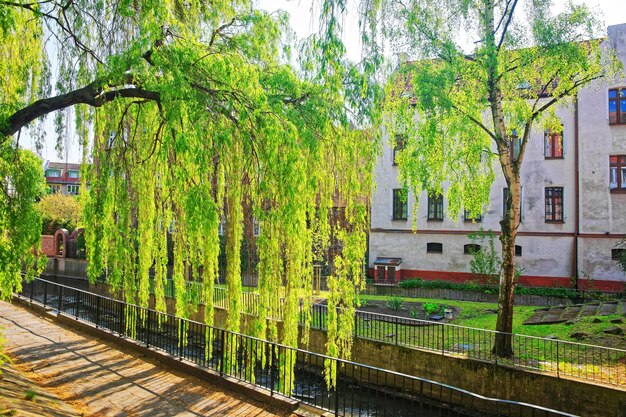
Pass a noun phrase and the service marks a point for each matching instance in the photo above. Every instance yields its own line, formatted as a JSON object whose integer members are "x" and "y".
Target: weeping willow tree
{"x": 187, "y": 112}
{"x": 21, "y": 174}
{"x": 467, "y": 110}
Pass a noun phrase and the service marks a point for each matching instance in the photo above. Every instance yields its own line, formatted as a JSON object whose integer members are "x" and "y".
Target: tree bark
{"x": 503, "y": 345}
{"x": 510, "y": 169}
{"x": 91, "y": 94}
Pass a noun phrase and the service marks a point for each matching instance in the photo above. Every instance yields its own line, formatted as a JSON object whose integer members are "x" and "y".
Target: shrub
{"x": 411, "y": 283}
{"x": 395, "y": 303}
{"x": 59, "y": 211}
{"x": 493, "y": 289}
{"x": 432, "y": 308}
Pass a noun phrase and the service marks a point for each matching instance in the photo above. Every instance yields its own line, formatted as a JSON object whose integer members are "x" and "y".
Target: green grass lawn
{"x": 478, "y": 315}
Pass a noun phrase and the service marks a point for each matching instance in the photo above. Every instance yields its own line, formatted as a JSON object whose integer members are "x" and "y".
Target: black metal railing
{"x": 488, "y": 293}
{"x": 553, "y": 356}
{"x": 360, "y": 389}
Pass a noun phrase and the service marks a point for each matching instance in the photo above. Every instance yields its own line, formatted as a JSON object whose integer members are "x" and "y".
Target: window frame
{"x": 399, "y": 208}
{"x": 515, "y": 145}
{"x": 505, "y": 191}
{"x": 617, "y": 253}
{"x": 398, "y": 145}
{"x": 437, "y": 204}
{"x": 256, "y": 227}
{"x": 619, "y": 165}
{"x": 552, "y": 199}
{"x": 467, "y": 248}
{"x": 620, "y": 114}
{"x": 549, "y": 137}
{"x": 71, "y": 187}
{"x": 467, "y": 218}
{"x": 434, "y": 247}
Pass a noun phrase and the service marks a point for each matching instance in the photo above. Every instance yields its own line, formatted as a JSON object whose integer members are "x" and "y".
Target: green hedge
{"x": 493, "y": 289}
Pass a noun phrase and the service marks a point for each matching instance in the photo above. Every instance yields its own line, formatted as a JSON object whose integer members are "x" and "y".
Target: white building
{"x": 573, "y": 204}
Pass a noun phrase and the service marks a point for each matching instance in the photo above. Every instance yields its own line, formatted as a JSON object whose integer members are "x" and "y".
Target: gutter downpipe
{"x": 577, "y": 196}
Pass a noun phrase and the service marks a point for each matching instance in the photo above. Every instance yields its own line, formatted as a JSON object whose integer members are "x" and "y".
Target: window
{"x": 433, "y": 247}
{"x": 398, "y": 146}
{"x": 617, "y": 106}
{"x": 400, "y": 208}
{"x": 505, "y": 196}
{"x": 518, "y": 250}
{"x": 514, "y": 145}
{"x": 554, "y": 204}
{"x": 471, "y": 248}
{"x": 435, "y": 207}
{"x": 256, "y": 227}
{"x": 73, "y": 189}
{"x": 54, "y": 173}
{"x": 468, "y": 217}
{"x": 553, "y": 144}
{"x": 617, "y": 254}
{"x": 72, "y": 173}
{"x": 55, "y": 188}
{"x": 617, "y": 172}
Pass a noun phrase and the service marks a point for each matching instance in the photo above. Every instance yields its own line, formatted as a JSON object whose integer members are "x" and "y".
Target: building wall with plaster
{"x": 549, "y": 254}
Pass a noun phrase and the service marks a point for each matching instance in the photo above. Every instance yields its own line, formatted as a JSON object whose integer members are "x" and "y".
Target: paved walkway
{"x": 563, "y": 314}
{"x": 101, "y": 380}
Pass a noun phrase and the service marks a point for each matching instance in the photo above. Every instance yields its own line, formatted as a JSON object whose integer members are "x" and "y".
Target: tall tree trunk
{"x": 510, "y": 222}
{"x": 510, "y": 169}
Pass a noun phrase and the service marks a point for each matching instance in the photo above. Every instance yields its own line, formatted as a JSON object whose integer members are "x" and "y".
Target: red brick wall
{"x": 47, "y": 244}
{"x": 525, "y": 280}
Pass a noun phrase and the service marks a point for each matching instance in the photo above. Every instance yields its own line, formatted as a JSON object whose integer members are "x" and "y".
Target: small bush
{"x": 395, "y": 303}
{"x": 30, "y": 395}
{"x": 432, "y": 308}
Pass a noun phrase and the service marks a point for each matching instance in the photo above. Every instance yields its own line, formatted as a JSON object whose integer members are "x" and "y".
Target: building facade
{"x": 573, "y": 204}
{"x": 62, "y": 177}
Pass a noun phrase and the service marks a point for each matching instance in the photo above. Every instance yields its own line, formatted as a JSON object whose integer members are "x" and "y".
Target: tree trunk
{"x": 503, "y": 342}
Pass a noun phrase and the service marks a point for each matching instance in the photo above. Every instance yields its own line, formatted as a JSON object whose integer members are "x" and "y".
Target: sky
{"x": 304, "y": 22}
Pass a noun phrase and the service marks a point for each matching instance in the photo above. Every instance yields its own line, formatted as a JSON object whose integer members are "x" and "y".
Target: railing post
{"x": 443, "y": 339}
{"x": 148, "y": 329}
{"x": 180, "y": 339}
{"x": 336, "y": 393}
{"x": 495, "y": 346}
{"x": 32, "y": 288}
{"x": 60, "y": 303}
{"x": 273, "y": 355}
{"x": 121, "y": 317}
{"x": 97, "y": 311}
{"x": 223, "y": 332}
{"x": 396, "y": 331}
{"x": 45, "y": 293}
{"x": 557, "y": 359}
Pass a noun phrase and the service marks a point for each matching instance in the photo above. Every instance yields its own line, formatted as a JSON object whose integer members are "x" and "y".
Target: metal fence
{"x": 530, "y": 296}
{"x": 360, "y": 390}
{"x": 557, "y": 357}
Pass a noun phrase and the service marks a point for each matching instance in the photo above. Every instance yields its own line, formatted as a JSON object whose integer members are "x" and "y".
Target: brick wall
{"x": 47, "y": 244}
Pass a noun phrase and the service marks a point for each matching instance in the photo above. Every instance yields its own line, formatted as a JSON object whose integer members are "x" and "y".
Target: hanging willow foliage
{"x": 189, "y": 116}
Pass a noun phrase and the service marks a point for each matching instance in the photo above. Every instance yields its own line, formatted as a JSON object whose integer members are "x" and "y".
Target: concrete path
{"x": 562, "y": 314}
{"x": 101, "y": 380}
